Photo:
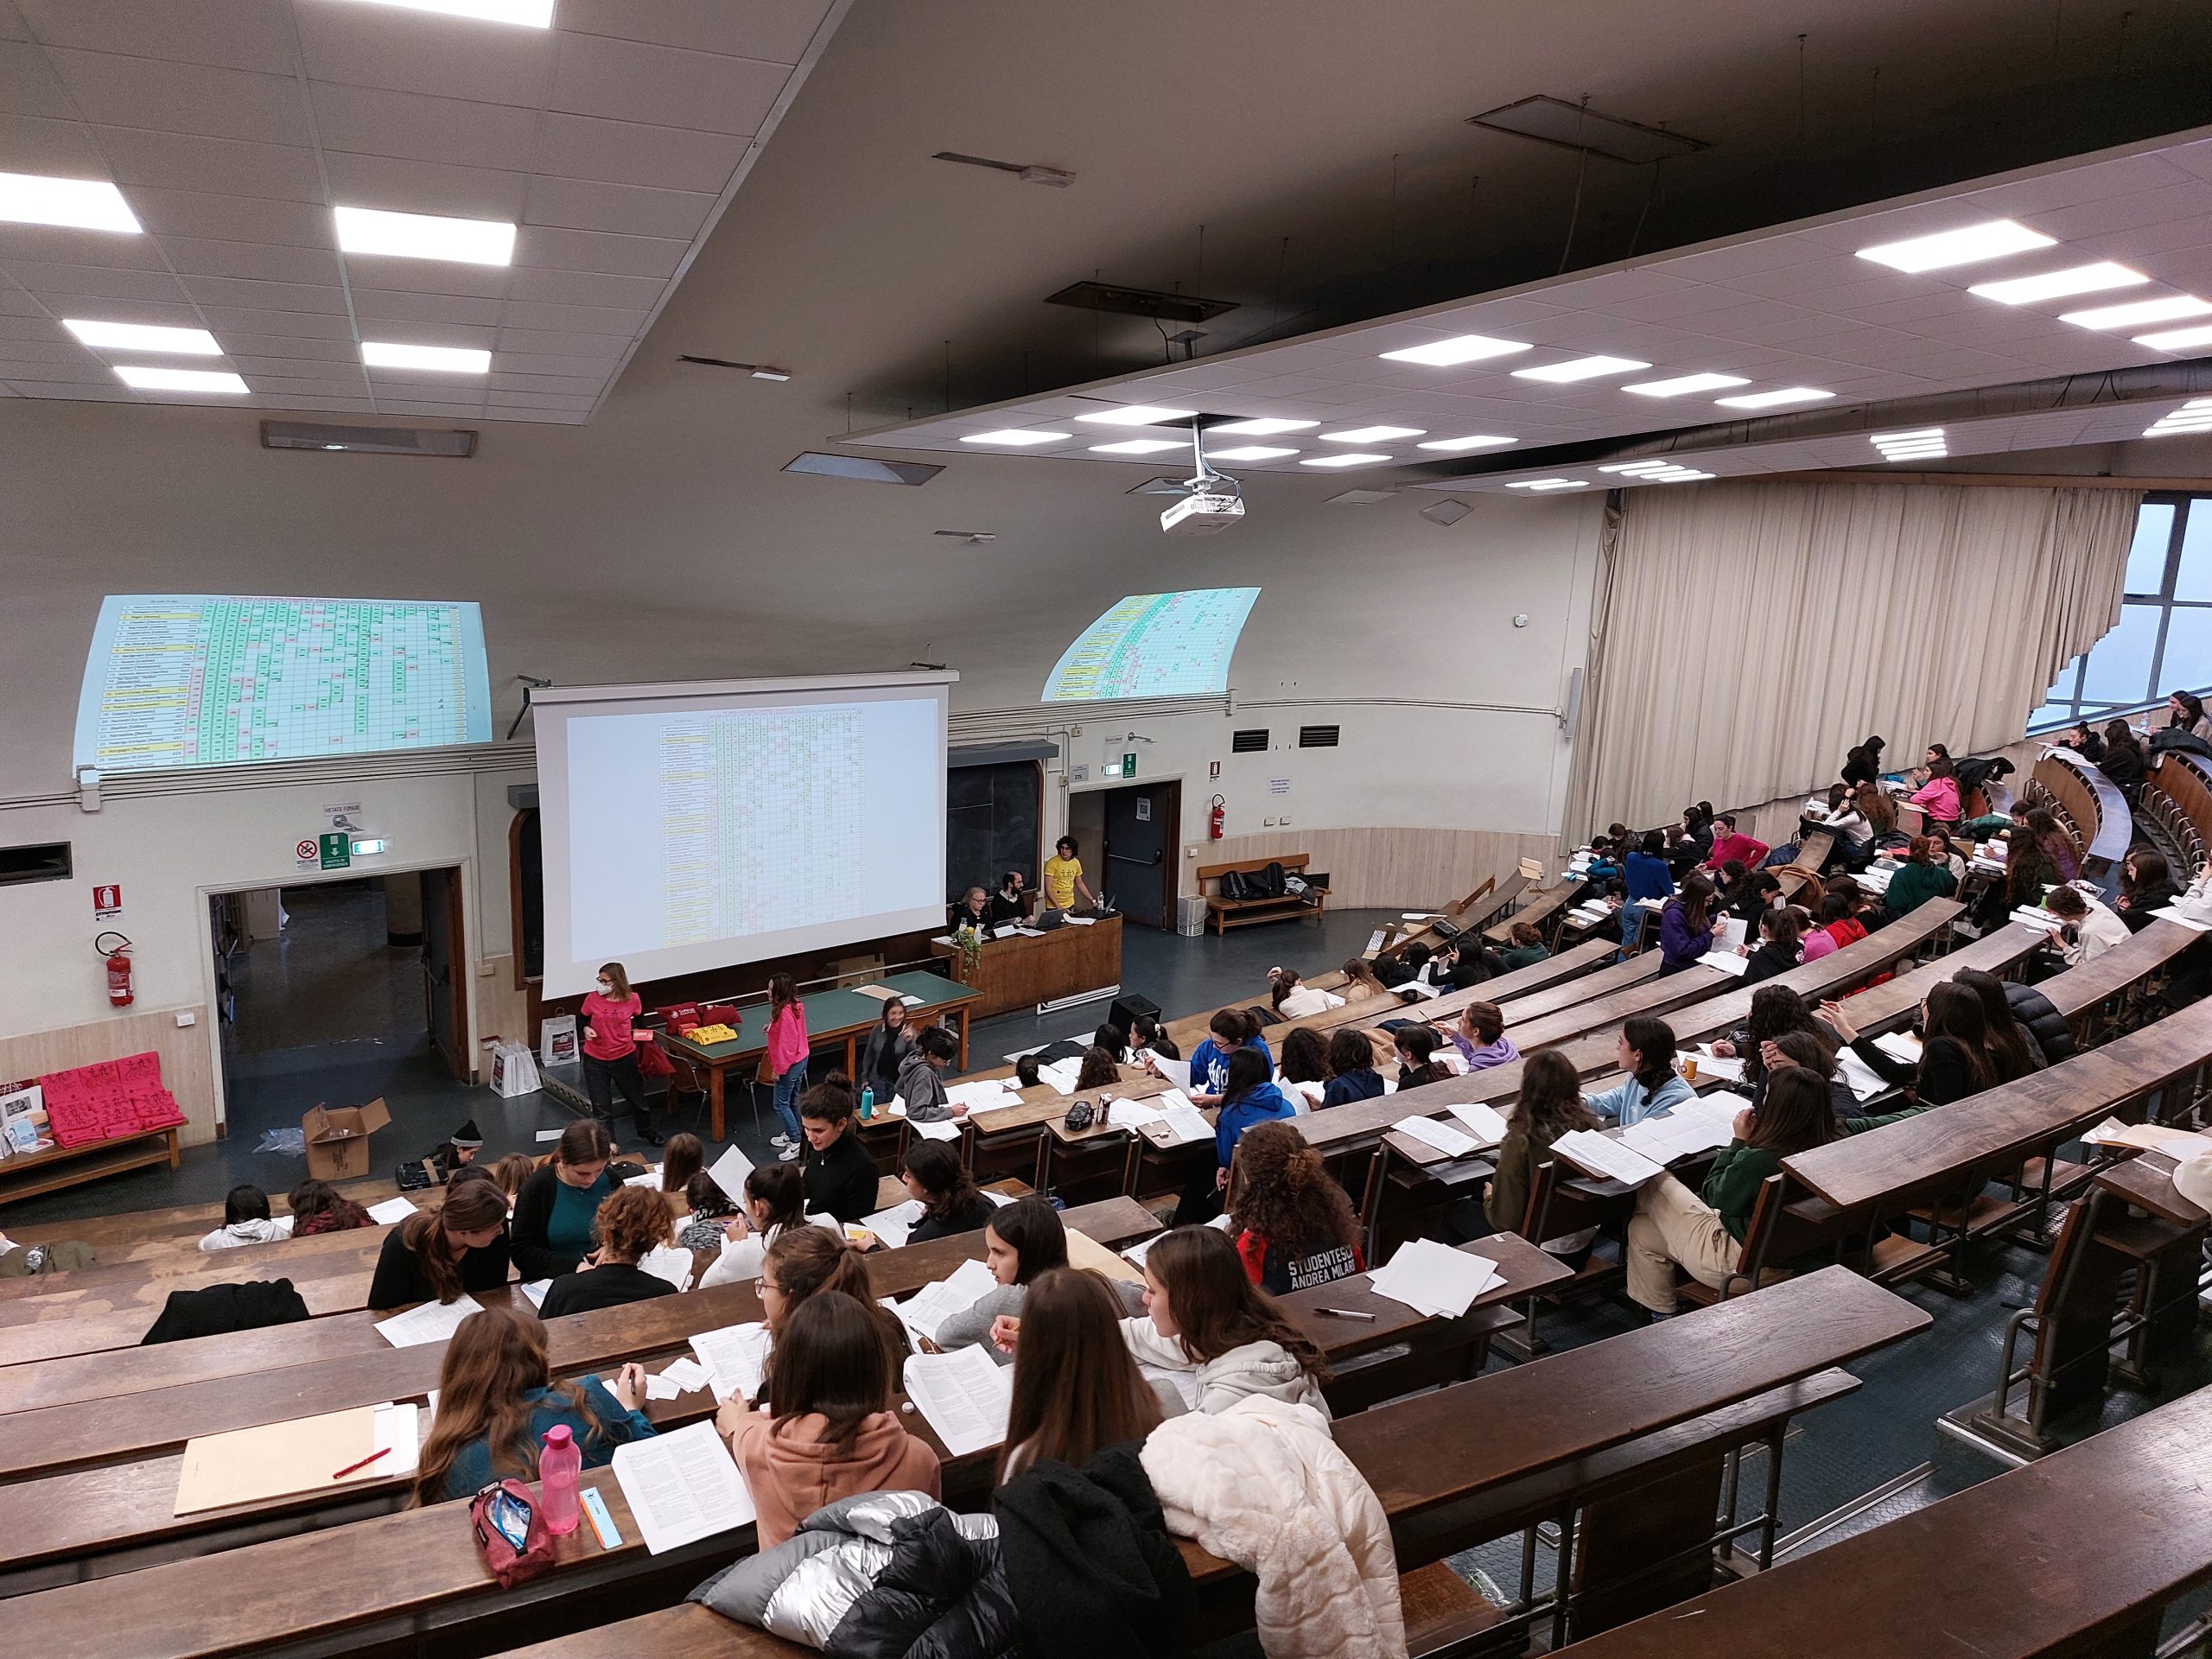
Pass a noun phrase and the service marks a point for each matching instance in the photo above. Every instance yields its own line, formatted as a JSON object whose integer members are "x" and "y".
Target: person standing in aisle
{"x": 787, "y": 1051}
{"x": 611, "y": 1051}
{"x": 1063, "y": 879}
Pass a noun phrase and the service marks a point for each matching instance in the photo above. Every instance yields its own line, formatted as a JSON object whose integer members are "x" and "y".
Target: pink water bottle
{"x": 559, "y": 1463}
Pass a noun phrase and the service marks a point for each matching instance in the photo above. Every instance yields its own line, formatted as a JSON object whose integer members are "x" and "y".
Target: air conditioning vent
{"x": 454, "y": 444}
{"x": 1248, "y": 742}
{"x": 47, "y": 863}
{"x": 1317, "y": 737}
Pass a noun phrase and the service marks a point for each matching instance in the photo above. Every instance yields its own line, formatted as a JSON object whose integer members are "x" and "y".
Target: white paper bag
{"x": 513, "y": 1071}
{"x": 557, "y": 1039}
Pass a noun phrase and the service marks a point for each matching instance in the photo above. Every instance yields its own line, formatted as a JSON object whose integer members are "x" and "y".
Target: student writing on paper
{"x": 1077, "y": 1390}
{"x": 1780, "y": 946}
{"x": 246, "y": 1221}
{"x": 801, "y": 1264}
{"x": 833, "y": 1433}
{"x": 437, "y": 1256}
{"x": 1415, "y": 1045}
{"x": 1294, "y": 1001}
{"x": 554, "y": 1209}
{"x": 1686, "y": 924}
{"x": 950, "y": 1203}
{"x": 774, "y": 1202}
{"x": 2145, "y": 884}
{"x": 1292, "y": 1220}
{"x": 2090, "y": 930}
{"x": 1817, "y": 1056}
{"x": 1021, "y": 1240}
{"x": 632, "y": 1221}
{"x": 889, "y": 1046}
{"x": 1645, "y": 1049}
{"x": 1954, "y": 1058}
{"x": 1525, "y": 950}
{"x": 1352, "y": 1074}
{"x": 318, "y": 1208}
{"x": 1480, "y": 1037}
{"x": 840, "y": 1175}
{"x": 1230, "y": 1031}
{"x": 684, "y": 1156}
{"x": 497, "y": 1398}
{"x": 921, "y": 1085}
{"x": 1548, "y": 1106}
{"x": 2045, "y": 1038}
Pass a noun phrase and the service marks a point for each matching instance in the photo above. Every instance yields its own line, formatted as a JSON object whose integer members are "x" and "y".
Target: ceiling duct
{"x": 447, "y": 444}
{"x": 1579, "y": 127}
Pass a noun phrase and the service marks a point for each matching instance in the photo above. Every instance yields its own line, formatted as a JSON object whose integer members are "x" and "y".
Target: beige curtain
{"x": 1749, "y": 634}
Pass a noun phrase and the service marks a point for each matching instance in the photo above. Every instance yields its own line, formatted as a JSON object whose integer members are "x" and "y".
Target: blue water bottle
{"x": 867, "y": 1101}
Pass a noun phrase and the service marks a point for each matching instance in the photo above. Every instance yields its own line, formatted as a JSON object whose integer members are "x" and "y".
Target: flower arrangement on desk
{"x": 969, "y": 942}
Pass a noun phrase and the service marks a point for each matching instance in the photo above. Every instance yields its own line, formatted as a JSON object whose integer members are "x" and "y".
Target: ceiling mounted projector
{"x": 1210, "y": 503}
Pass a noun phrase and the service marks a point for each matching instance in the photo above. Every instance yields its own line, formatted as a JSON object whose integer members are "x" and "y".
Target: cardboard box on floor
{"x": 337, "y": 1142}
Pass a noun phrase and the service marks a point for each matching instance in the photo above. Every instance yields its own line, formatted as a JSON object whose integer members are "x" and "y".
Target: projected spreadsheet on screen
{"x": 1154, "y": 646}
{"x": 203, "y": 680}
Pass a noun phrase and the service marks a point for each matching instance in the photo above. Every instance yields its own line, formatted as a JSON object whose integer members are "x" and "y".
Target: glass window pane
{"x": 2146, "y": 555}
{"x": 2194, "y": 579}
{"x": 2188, "y": 665}
{"x": 2051, "y": 715}
{"x": 2062, "y": 689}
{"x": 2120, "y": 664}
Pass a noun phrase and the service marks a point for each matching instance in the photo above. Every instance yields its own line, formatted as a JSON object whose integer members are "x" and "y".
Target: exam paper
{"x": 1682, "y": 1133}
{"x": 1899, "y": 1045}
{"x": 988, "y": 1095}
{"x": 535, "y": 1290}
{"x": 685, "y": 1374}
{"x": 1486, "y": 1123}
{"x": 682, "y": 1487}
{"x": 427, "y": 1322}
{"x": 735, "y": 1358}
{"x": 1729, "y": 1068}
{"x": 651, "y": 1177}
{"x": 1864, "y": 1082}
{"x": 892, "y": 1225}
{"x": 1061, "y": 1074}
{"x": 400, "y": 1437}
{"x": 2170, "y": 914}
{"x": 1183, "y": 1124}
{"x": 728, "y": 1172}
{"x": 964, "y": 1394}
{"x": 669, "y": 1262}
{"x": 1434, "y": 1279}
{"x": 945, "y": 1129}
{"x": 1727, "y": 961}
{"x": 930, "y": 1306}
{"x": 1442, "y": 1136}
{"x": 1600, "y": 1154}
{"x": 1178, "y": 1072}
{"x": 390, "y": 1210}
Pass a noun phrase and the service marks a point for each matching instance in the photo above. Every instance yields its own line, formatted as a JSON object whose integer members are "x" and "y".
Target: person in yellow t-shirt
{"x": 1064, "y": 877}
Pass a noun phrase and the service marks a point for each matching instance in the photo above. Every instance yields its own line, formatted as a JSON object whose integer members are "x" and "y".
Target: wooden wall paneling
{"x": 187, "y": 1070}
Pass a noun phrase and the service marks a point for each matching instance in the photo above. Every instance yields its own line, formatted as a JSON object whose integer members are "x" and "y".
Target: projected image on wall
{"x": 1154, "y": 646}
{"x": 202, "y": 680}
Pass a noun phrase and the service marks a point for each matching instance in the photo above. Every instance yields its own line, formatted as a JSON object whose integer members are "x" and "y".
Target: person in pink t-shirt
{"x": 787, "y": 1051}
{"x": 611, "y": 1051}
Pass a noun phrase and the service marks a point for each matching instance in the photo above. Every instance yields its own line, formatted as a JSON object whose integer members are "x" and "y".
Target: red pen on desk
{"x": 352, "y": 1467}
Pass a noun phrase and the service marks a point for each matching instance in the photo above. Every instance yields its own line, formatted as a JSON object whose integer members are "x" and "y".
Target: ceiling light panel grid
{"x": 233, "y": 128}
{"x": 1796, "y": 307}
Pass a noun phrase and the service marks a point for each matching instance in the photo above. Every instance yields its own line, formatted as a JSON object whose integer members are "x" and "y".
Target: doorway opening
{"x": 1134, "y": 831}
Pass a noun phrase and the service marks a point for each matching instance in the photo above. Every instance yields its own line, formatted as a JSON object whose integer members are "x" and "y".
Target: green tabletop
{"x": 828, "y": 1013}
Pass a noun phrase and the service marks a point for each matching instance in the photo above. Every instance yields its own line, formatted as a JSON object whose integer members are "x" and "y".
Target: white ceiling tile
{"x": 776, "y": 31}
{"x": 551, "y": 363}
{"x": 94, "y": 281}
{"x": 288, "y": 348}
{"x": 75, "y": 391}
{"x": 388, "y": 305}
{"x": 372, "y": 121}
{"x": 559, "y": 385}
{"x": 421, "y": 52}
{"x": 408, "y": 187}
{"x": 630, "y": 80}
{"x": 63, "y": 148}
{"x": 316, "y": 405}
{"x": 27, "y": 85}
{"x": 145, "y": 92}
{"x": 585, "y": 288}
{"x": 626, "y": 152}
{"x": 222, "y": 166}
{"x": 230, "y": 33}
{"x": 37, "y": 328}
{"x": 616, "y": 256}
{"x": 478, "y": 336}
{"x": 56, "y": 245}
{"x": 540, "y": 400}
{"x": 624, "y": 209}
{"x": 80, "y": 368}
{"x": 226, "y": 320}
{"x": 267, "y": 296}
{"x": 261, "y": 261}
{"x": 444, "y": 410}
{"x": 64, "y": 350}
{"x": 451, "y": 278}
{"x": 266, "y": 373}
{"x": 14, "y": 302}
{"x": 233, "y": 218}
{"x": 581, "y": 318}
{"x": 414, "y": 384}
{"x": 12, "y": 27}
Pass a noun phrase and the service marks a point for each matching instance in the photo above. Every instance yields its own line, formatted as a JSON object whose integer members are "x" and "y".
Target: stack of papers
{"x": 1486, "y": 1123}
{"x": 1727, "y": 961}
{"x": 682, "y": 1487}
{"x": 987, "y": 1094}
{"x": 2152, "y": 1137}
{"x": 1900, "y": 1045}
{"x": 964, "y": 1394}
{"x": 1182, "y": 1121}
{"x": 1693, "y": 1127}
{"x": 1442, "y": 1136}
{"x": 668, "y": 1261}
{"x": 1875, "y": 878}
{"x": 933, "y": 1304}
{"x": 1129, "y": 1114}
{"x": 945, "y": 1129}
{"x": 427, "y": 1322}
{"x": 1588, "y": 915}
{"x": 391, "y": 1210}
{"x": 680, "y": 1377}
{"x": 1061, "y": 1074}
{"x": 1434, "y": 1279}
{"x": 1419, "y": 915}
{"x": 1603, "y": 1155}
{"x": 1864, "y": 1082}
{"x": 734, "y": 1358}
{"x": 1654, "y": 905}
{"x": 892, "y": 1225}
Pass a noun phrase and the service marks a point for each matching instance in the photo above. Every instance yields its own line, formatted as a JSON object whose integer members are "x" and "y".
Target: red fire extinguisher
{"x": 119, "y": 968}
{"x": 1216, "y": 819}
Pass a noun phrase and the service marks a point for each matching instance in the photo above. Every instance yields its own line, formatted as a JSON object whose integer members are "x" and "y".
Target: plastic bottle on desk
{"x": 868, "y": 1101}
{"x": 559, "y": 1462}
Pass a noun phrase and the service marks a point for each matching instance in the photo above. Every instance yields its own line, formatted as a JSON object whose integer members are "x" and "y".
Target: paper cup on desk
{"x": 1689, "y": 1068}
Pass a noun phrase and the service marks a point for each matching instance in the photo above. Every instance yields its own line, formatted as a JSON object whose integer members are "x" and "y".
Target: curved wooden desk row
{"x": 2178, "y": 791}
{"x": 2090, "y": 804}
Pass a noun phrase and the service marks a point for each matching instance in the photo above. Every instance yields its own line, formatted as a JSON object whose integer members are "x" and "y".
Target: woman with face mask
{"x": 611, "y": 1051}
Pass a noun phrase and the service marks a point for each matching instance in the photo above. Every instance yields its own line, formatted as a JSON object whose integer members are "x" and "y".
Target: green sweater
{"x": 1738, "y": 1172}
{"x": 1505, "y": 1206}
{"x": 1523, "y": 956}
{"x": 1914, "y": 885}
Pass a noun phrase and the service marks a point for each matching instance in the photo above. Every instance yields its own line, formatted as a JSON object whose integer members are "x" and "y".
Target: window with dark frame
{"x": 2162, "y": 641}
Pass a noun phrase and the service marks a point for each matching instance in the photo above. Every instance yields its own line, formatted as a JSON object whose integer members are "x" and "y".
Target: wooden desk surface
{"x": 2080, "y": 988}
{"x": 2147, "y": 1181}
{"x": 2052, "y": 1558}
{"x": 1525, "y": 1268}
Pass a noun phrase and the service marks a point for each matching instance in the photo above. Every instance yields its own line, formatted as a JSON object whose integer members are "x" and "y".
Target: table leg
{"x": 963, "y": 1036}
{"x": 714, "y": 1101}
{"x": 852, "y": 1059}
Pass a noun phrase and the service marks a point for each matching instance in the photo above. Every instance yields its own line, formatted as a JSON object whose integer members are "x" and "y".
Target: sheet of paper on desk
{"x": 1899, "y": 1045}
{"x": 682, "y": 1487}
{"x": 964, "y": 1394}
{"x": 1727, "y": 961}
{"x": 2030, "y": 916}
{"x": 427, "y": 1322}
{"x": 1862, "y": 1079}
{"x": 1132, "y": 1113}
{"x": 1185, "y": 1125}
{"x": 1061, "y": 1074}
{"x": 728, "y": 1172}
{"x": 1080, "y": 921}
{"x": 1178, "y": 1072}
{"x": 911, "y": 1002}
{"x": 1654, "y": 905}
{"x": 1485, "y": 1124}
{"x": 945, "y": 1129}
{"x": 1602, "y": 1155}
{"x": 2152, "y": 1137}
{"x": 2167, "y": 913}
{"x": 686, "y": 1374}
{"x": 933, "y": 1304}
{"x": 535, "y": 1290}
{"x": 651, "y": 1177}
{"x": 1675, "y": 1135}
{"x": 669, "y": 1262}
{"x": 1417, "y": 988}
{"x": 1434, "y": 1279}
{"x": 389, "y": 1211}
{"x": 1442, "y": 1136}
{"x": 1417, "y": 915}
{"x": 1729, "y": 1068}
{"x": 892, "y": 1225}
{"x": 1374, "y": 942}
{"x": 735, "y": 1358}
{"x": 659, "y": 1388}
{"x": 986, "y": 1095}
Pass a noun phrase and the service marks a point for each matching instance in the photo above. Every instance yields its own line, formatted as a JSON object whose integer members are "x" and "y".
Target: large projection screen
{"x": 689, "y": 827}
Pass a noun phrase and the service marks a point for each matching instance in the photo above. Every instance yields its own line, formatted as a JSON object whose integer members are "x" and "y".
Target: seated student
{"x": 1526, "y": 951}
{"x": 1730, "y": 846}
{"x": 1775, "y": 1011}
{"x": 1839, "y": 816}
{"x": 632, "y": 1222}
{"x": 1210, "y": 1059}
{"x": 1304, "y": 1075}
{"x": 2123, "y": 762}
{"x": 2082, "y": 739}
{"x": 1649, "y": 876}
{"x": 682, "y": 1155}
{"x": 920, "y": 1084}
{"x": 1295, "y": 1000}
{"x": 317, "y": 1208}
{"x": 710, "y": 1213}
{"x": 1698, "y": 826}
{"x": 455, "y": 1153}
{"x": 950, "y": 1203}
{"x": 554, "y": 1209}
{"x": 1953, "y": 1046}
{"x": 1922, "y": 876}
{"x": 971, "y": 910}
{"x": 2090, "y": 930}
{"x": 246, "y": 1221}
{"x": 1292, "y": 1219}
{"x": 803, "y": 1263}
{"x": 2057, "y": 846}
{"x": 1416, "y": 1046}
{"x": 1409, "y": 965}
{"x": 1939, "y": 796}
{"x": 1780, "y": 947}
{"x": 436, "y": 1256}
{"x": 1360, "y": 981}
{"x": 1021, "y": 1241}
{"x": 2145, "y": 884}
{"x": 1840, "y": 925}
{"x": 1480, "y": 1037}
{"x": 1204, "y": 1316}
{"x": 1645, "y": 1049}
{"x": 1099, "y": 1071}
{"x": 1248, "y": 1097}
{"x": 510, "y": 1172}
{"x": 839, "y": 1173}
{"x": 1111, "y": 1037}
{"x": 2007, "y": 1043}
{"x": 833, "y": 1431}
{"x": 1751, "y": 896}
{"x": 1686, "y": 925}
{"x": 1076, "y": 1389}
{"x": 1683, "y": 851}
{"x": 1151, "y": 1036}
{"x": 1550, "y": 1104}
{"x": 1352, "y": 1074}
{"x": 773, "y": 1204}
{"x": 2184, "y": 713}
{"x": 497, "y": 1402}
{"x": 1817, "y": 1055}
{"x": 890, "y": 1045}
{"x": 1813, "y": 941}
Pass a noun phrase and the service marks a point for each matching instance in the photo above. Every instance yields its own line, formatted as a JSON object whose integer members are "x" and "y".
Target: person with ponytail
{"x": 773, "y": 1204}
{"x": 437, "y": 1256}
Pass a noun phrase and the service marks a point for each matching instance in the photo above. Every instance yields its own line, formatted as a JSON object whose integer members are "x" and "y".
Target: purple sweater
{"x": 1678, "y": 946}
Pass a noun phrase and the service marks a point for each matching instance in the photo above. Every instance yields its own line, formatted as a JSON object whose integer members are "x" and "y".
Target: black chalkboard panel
{"x": 992, "y": 818}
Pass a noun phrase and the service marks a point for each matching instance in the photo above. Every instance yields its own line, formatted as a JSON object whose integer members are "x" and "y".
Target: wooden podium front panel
{"x": 1022, "y": 971}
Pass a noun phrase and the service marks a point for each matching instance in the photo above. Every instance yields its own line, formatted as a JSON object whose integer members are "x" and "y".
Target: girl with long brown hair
{"x": 1686, "y": 924}
{"x": 437, "y": 1255}
{"x": 1205, "y": 1318}
{"x": 786, "y": 1061}
{"x": 773, "y": 1203}
{"x": 684, "y": 1156}
{"x": 801, "y": 1264}
{"x": 1076, "y": 1389}
{"x": 632, "y": 1221}
{"x": 1291, "y": 1218}
{"x": 497, "y": 1398}
{"x": 554, "y": 1208}
{"x": 1549, "y": 1105}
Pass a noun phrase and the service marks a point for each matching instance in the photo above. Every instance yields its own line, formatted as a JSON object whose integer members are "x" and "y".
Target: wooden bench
{"x": 29, "y": 1174}
{"x": 1223, "y": 915}
{"x": 2087, "y": 803}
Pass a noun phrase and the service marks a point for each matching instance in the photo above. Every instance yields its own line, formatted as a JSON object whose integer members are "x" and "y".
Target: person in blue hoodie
{"x": 1646, "y": 1052}
{"x": 1647, "y": 877}
{"x": 1248, "y": 1095}
{"x": 1233, "y": 1029}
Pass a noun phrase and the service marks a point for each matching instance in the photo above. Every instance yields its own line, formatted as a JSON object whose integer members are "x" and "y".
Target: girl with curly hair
{"x": 1293, "y": 1225}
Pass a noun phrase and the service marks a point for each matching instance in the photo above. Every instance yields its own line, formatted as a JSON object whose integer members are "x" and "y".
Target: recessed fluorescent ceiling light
{"x": 1371, "y": 434}
{"x": 1249, "y": 452}
{"x": 1775, "y": 399}
{"x": 1014, "y": 437}
{"x": 1137, "y": 415}
{"x": 2059, "y": 284}
{"x": 441, "y": 359}
{"x": 80, "y": 204}
{"x": 1462, "y": 348}
{"x": 1918, "y": 439}
{"x": 151, "y": 379}
{"x": 425, "y": 236}
{"x": 1135, "y": 446}
{"x": 1967, "y": 245}
{"x": 531, "y": 14}
{"x": 2139, "y": 311}
{"x": 1634, "y": 466}
{"x": 1453, "y": 445}
{"x": 1343, "y": 461}
{"x": 1550, "y": 484}
{"x": 1683, "y": 384}
{"x": 1581, "y": 368}
{"x": 1265, "y": 427}
{"x": 2175, "y": 339}
{"x": 143, "y": 337}
{"x": 2195, "y": 416}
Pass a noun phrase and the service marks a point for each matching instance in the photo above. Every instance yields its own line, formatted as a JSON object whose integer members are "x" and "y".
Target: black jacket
{"x": 1769, "y": 959}
{"x": 612, "y": 1284}
{"x": 2047, "y": 1029}
{"x": 1093, "y": 1573}
{"x": 400, "y": 1280}
{"x": 2155, "y": 896}
{"x": 841, "y": 1181}
{"x": 218, "y": 1310}
{"x": 886, "y": 1051}
{"x": 965, "y": 1220}
{"x": 534, "y": 1254}
{"x": 1944, "y": 1074}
